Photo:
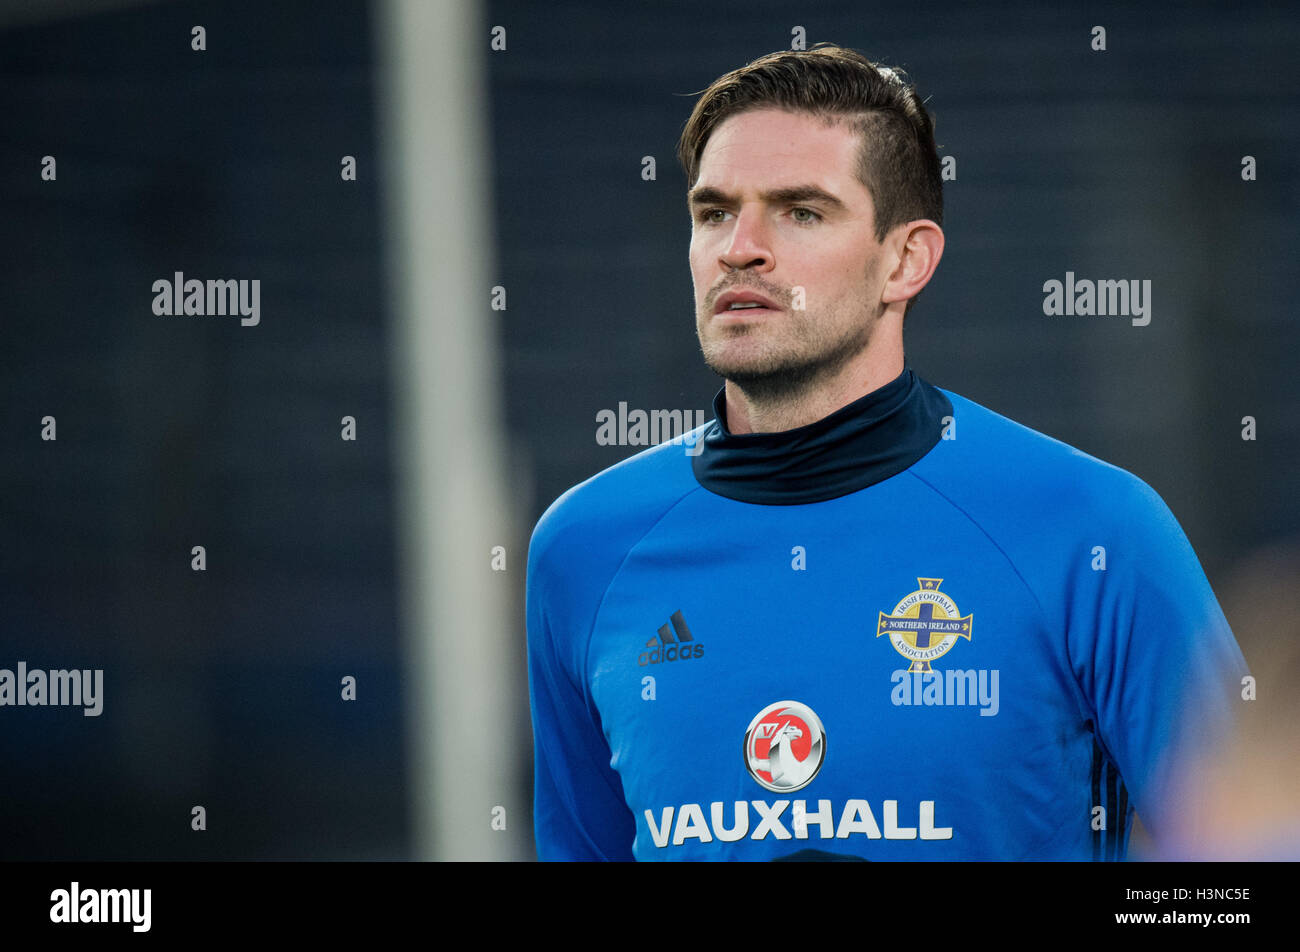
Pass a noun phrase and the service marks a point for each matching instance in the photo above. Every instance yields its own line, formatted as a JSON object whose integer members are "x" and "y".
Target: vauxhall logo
{"x": 665, "y": 647}
{"x": 785, "y": 745}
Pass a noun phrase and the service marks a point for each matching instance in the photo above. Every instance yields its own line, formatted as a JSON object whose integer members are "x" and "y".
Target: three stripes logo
{"x": 664, "y": 646}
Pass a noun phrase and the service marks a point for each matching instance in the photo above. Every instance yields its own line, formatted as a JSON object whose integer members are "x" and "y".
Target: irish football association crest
{"x": 924, "y": 625}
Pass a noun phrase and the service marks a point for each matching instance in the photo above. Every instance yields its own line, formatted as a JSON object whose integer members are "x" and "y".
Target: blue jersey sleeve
{"x": 579, "y": 812}
{"x": 1153, "y": 653}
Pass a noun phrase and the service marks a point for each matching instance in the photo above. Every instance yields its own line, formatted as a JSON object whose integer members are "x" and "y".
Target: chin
{"x": 727, "y": 359}
{"x": 753, "y": 369}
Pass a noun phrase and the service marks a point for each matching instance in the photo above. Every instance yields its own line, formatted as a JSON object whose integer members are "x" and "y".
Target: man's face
{"x": 755, "y": 207}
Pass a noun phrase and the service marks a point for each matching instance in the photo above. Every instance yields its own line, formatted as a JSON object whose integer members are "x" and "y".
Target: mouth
{"x": 735, "y": 303}
{"x": 741, "y": 314}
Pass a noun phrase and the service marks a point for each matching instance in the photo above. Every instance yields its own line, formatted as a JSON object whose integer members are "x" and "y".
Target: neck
{"x": 878, "y": 364}
{"x": 877, "y": 436}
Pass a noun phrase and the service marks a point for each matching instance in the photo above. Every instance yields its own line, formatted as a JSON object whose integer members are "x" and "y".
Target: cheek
{"x": 845, "y": 276}
{"x": 698, "y": 271}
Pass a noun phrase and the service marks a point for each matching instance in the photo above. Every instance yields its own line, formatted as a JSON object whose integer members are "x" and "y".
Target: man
{"x": 868, "y": 617}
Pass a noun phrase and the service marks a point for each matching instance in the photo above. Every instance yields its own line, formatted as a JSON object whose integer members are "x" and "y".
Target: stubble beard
{"x": 782, "y": 375}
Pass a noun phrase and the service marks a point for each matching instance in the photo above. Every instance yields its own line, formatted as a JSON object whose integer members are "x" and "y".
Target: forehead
{"x": 771, "y": 146}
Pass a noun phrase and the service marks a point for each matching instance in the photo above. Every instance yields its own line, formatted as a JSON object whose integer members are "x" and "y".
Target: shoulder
{"x": 602, "y": 517}
{"x": 988, "y": 463}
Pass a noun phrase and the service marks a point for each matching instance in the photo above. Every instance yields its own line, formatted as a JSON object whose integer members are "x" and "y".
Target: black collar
{"x": 859, "y": 445}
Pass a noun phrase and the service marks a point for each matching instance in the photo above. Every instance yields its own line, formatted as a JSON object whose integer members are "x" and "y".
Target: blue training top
{"x": 912, "y": 630}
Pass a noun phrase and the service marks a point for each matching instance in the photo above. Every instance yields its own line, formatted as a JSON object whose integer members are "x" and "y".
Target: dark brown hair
{"x": 898, "y": 163}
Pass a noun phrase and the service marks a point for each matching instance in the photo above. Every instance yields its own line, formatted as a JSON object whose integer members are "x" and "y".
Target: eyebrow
{"x": 709, "y": 195}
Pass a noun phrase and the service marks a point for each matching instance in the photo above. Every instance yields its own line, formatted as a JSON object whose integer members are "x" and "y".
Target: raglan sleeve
{"x": 579, "y": 811}
{"x": 1154, "y": 654}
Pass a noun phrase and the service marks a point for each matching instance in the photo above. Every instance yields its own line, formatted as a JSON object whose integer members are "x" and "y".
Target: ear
{"x": 918, "y": 246}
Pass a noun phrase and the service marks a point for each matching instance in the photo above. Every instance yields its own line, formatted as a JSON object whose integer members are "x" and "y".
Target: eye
{"x": 707, "y": 218}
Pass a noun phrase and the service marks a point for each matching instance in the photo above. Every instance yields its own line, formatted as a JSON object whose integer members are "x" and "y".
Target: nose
{"x": 749, "y": 246}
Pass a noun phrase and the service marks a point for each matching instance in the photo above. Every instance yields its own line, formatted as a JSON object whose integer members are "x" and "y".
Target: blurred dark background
{"x": 222, "y": 687}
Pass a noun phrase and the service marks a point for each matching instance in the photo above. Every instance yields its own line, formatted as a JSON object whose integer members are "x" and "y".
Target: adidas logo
{"x": 664, "y": 647}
